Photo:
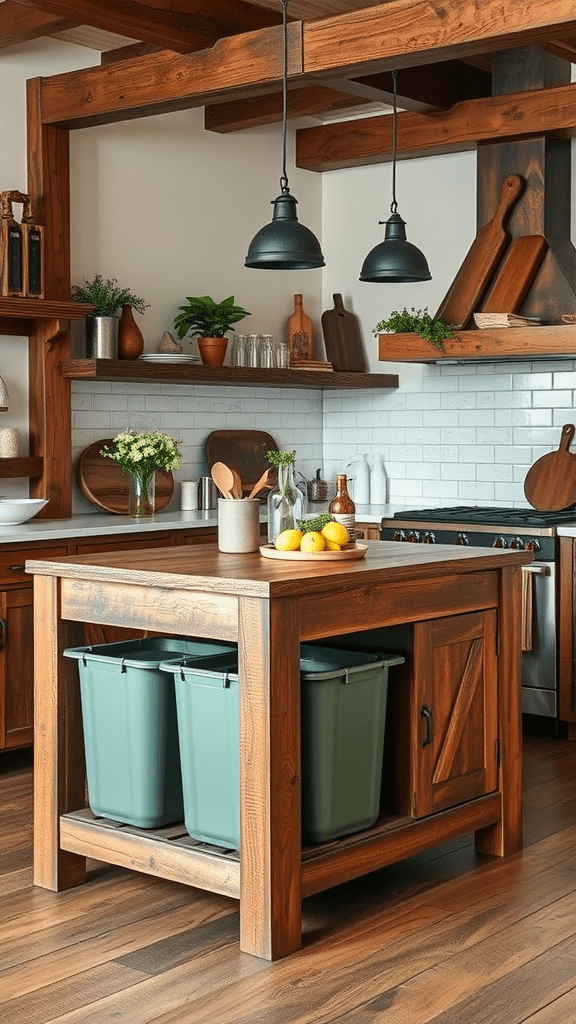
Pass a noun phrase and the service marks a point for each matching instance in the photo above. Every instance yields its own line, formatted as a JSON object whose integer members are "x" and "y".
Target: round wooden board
{"x": 104, "y": 484}
{"x": 355, "y": 551}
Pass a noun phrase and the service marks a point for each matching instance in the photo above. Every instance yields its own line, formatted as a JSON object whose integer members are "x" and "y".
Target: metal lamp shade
{"x": 4, "y": 401}
{"x": 395, "y": 259}
{"x": 284, "y": 244}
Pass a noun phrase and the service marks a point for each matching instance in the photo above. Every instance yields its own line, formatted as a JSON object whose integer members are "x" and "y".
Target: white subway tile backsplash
{"x": 453, "y": 434}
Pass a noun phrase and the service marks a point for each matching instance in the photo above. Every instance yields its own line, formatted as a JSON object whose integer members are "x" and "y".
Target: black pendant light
{"x": 284, "y": 244}
{"x": 395, "y": 259}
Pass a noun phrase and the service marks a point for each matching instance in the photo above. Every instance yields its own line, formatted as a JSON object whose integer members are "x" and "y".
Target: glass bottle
{"x": 285, "y": 504}
{"x": 342, "y": 508}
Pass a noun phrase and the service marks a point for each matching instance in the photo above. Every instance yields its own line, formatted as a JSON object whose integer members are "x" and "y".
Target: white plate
{"x": 169, "y": 357}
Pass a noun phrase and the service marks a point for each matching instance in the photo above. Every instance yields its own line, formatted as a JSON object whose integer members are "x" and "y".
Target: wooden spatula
{"x": 468, "y": 287}
{"x": 550, "y": 484}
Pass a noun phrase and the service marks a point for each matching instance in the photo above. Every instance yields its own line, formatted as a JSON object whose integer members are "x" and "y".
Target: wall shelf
{"x": 546, "y": 342}
{"x": 19, "y": 316}
{"x": 127, "y": 370}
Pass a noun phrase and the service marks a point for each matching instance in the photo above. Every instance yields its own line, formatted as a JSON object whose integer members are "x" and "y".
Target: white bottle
{"x": 360, "y": 471}
{"x": 378, "y": 488}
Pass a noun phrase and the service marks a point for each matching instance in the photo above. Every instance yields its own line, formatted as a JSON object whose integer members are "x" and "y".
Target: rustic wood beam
{"x": 254, "y": 111}
{"x": 550, "y": 112}
{"x": 241, "y": 66}
{"x": 19, "y": 26}
{"x": 406, "y": 33}
{"x": 430, "y": 87}
{"x": 565, "y": 48}
{"x": 129, "y": 52}
{"x": 179, "y": 25}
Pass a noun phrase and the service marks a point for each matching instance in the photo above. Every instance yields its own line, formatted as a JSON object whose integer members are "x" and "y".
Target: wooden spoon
{"x": 236, "y": 488}
{"x": 260, "y": 484}
{"x": 223, "y": 477}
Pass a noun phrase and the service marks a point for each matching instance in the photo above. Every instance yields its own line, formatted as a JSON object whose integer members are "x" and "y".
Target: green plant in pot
{"x": 102, "y": 323}
{"x": 209, "y": 321}
{"x": 416, "y": 321}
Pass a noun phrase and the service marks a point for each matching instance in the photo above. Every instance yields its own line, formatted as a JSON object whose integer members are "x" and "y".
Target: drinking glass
{"x": 238, "y": 357}
{"x": 252, "y": 350}
{"x": 267, "y": 351}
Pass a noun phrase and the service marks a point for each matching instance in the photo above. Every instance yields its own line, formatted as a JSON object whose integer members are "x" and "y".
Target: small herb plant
{"x": 281, "y": 459}
{"x": 143, "y": 453}
{"x": 417, "y": 321}
{"x": 207, "y": 318}
{"x": 106, "y": 296}
{"x": 316, "y": 524}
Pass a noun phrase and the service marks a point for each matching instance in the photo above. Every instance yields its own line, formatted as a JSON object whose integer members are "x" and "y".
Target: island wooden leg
{"x": 270, "y": 852}
{"x": 505, "y": 837}
{"x": 58, "y": 747}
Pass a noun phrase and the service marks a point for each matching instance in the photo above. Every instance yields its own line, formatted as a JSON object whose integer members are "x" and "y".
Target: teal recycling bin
{"x": 130, "y": 727}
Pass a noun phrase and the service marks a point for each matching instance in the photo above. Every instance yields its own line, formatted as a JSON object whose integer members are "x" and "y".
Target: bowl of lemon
{"x": 320, "y": 538}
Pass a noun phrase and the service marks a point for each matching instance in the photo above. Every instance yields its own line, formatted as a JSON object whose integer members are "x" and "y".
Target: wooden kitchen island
{"x": 454, "y": 710}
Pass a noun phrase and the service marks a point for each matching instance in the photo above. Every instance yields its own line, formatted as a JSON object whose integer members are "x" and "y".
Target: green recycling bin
{"x": 130, "y": 727}
{"x": 343, "y": 698}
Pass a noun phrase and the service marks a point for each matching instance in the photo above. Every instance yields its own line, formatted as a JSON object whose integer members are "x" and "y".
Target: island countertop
{"x": 464, "y": 603}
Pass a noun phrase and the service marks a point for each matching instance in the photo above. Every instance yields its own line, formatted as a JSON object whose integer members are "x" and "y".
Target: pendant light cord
{"x": 284, "y": 179}
{"x": 394, "y": 204}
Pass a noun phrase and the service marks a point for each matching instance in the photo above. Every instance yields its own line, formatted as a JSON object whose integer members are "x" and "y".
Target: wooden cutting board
{"x": 550, "y": 484}
{"x": 516, "y": 275}
{"x": 342, "y": 338}
{"x": 468, "y": 287}
{"x": 104, "y": 484}
{"x": 244, "y": 451}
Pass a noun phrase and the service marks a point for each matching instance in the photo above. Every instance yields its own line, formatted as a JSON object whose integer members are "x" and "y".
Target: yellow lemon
{"x": 312, "y": 541}
{"x": 288, "y": 540}
{"x": 332, "y": 545}
{"x": 336, "y": 532}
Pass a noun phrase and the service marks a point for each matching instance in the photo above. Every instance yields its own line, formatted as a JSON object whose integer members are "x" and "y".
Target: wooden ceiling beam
{"x": 429, "y": 87}
{"x": 550, "y": 112}
{"x": 19, "y": 26}
{"x": 565, "y": 48}
{"x": 128, "y": 52}
{"x": 258, "y": 110}
{"x": 406, "y": 33}
{"x": 183, "y": 26}
{"x": 244, "y": 65}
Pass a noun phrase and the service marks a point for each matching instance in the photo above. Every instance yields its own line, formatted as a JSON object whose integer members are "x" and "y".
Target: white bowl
{"x": 18, "y": 510}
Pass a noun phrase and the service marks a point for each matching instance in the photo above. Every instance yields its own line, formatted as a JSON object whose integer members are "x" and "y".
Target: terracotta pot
{"x": 130, "y": 338}
{"x": 212, "y": 350}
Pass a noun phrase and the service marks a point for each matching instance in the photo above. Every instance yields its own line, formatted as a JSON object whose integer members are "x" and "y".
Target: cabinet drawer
{"x": 127, "y": 543}
{"x": 12, "y": 562}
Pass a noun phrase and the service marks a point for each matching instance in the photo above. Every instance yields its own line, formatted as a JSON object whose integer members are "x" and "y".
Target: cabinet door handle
{"x": 2, "y": 632}
{"x": 16, "y": 568}
{"x": 427, "y": 714}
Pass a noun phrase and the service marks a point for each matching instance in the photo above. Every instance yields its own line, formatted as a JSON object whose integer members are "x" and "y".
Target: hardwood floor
{"x": 445, "y": 937}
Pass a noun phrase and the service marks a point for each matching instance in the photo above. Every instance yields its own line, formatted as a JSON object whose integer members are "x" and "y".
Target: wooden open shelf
{"x": 19, "y": 316}
{"x": 27, "y": 466}
{"x": 240, "y": 376}
{"x": 504, "y": 343}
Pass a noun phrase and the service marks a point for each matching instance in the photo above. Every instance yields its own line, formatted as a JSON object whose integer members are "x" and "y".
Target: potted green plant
{"x": 209, "y": 321}
{"x": 416, "y": 321}
{"x": 102, "y": 323}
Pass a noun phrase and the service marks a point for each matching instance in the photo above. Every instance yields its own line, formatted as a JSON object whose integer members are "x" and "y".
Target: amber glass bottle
{"x": 342, "y": 508}
{"x": 299, "y": 333}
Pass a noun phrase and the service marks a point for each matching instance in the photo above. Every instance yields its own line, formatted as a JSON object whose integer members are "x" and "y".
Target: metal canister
{"x": 317, "y": 489}
{"x": 207, "y": 492}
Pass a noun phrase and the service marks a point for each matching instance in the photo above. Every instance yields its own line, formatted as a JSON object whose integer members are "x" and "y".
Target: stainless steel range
{"x": 506, "y": 528}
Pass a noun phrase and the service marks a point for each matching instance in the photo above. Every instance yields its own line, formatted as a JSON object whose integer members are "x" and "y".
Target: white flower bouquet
{"x": 140, "y": 455}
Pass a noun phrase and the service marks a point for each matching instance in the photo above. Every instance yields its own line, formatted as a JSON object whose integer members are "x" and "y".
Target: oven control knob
{"x": 413, "y": 537}
{"x": 532, "y": 544}
{"x": 399, "y": 535}
{"x": 462, "y": 538}
{"x": 428, "y": 537}
{"x": 517, "y": 543}
{"x": 500, "y": 542}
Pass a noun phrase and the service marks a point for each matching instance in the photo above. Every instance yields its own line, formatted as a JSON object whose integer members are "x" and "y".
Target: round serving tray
{"x": 346, "y": 554}
{"x": 104, "y": 484}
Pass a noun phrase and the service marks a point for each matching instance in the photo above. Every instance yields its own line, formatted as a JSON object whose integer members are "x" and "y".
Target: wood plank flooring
{"x": 446, "y": 937}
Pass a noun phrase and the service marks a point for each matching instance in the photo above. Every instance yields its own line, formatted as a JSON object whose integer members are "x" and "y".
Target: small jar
{"x": 238, "y": 356}
{"x": 252, "y": 350}
{"x": 267, "y": 351}
{"x": 281, "y": 355}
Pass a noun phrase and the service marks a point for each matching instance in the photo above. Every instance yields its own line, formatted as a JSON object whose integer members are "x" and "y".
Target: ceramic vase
{"x": 130, "y": 337}
{"x": 142, "y": 495}
{"x": 285, "y": 504}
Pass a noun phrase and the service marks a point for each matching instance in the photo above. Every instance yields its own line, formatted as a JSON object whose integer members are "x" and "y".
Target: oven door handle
{"x": 528, "y": 573}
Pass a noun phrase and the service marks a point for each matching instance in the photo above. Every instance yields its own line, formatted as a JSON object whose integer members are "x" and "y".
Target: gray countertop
{"x": 103, "y": 524}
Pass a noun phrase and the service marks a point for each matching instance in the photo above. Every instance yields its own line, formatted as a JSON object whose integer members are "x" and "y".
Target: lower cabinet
{"x": 443, "y": 712}
{"x": 17, "y": 620}
{"x": 367, "y": 531}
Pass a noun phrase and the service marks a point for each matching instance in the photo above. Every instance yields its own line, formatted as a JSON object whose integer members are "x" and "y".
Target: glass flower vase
{"x": 285, "y": 504}
{"x": 142, "y": 494}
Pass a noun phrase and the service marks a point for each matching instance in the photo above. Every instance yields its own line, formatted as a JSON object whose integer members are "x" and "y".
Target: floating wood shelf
{"x": 31, "y": 466}
{"x": 19, "y": 316}
{"x": 240, "y": 376}
{"x": 503, "y": 343}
